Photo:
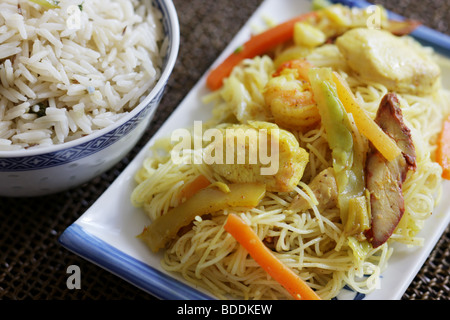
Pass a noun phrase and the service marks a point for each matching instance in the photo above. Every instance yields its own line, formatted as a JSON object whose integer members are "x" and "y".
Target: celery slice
{"x": 348, "y": 157}
{"x": 208, "y": 200}
{"x": 49, "y": 4}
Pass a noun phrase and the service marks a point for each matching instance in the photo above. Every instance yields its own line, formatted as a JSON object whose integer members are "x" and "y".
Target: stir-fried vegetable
{"x": 401, "y": 28}
{"x": 348, "y": 157}
{"x": 358, "y": 217}
{"x": 320, "y": 4}
{"x": 308, "y": 36}
{"x": 443, "y": 150}
{"x": 257, "y": 45}
{"x": 366, "y": 125}
{"x": 360, "y": 249}
{"x": 333, "y": 118}
{"x": 305, "y": 34}
{"x": 208, "y": 200}
{"x": 193, "y": 187}
{"x": 245, "y": 235}
{"x": 49, "y": 4}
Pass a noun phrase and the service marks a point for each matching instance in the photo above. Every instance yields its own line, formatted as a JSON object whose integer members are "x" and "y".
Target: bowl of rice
{"x": 80, "y": 81}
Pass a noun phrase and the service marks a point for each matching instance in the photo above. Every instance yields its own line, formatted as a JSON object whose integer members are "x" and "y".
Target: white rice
{"x": 70, "y": 71}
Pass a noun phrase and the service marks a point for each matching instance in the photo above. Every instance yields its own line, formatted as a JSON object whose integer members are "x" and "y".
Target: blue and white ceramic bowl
{"x": 48, "y": 170}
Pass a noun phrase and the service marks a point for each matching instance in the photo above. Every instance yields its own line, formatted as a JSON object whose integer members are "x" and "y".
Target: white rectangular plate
{"x": 106, "y": 233}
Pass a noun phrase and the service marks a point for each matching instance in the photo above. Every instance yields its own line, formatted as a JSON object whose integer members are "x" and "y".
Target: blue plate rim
{"x": 79, "y": 241}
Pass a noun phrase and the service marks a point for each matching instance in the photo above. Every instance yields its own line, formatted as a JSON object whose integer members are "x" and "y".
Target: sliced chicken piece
{"x": 384, "y": 178}
{"x": 283, "y": 167}
{"x": 395, "y": 62}
{"x": 325, "y": 190}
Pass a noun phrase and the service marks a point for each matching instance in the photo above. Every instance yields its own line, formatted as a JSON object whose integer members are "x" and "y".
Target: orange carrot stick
{"x": 443, "y": 149}
{"x": 257, "y": 45}
{"x": 193, "y": 187}
{"x": 267, "y": 260}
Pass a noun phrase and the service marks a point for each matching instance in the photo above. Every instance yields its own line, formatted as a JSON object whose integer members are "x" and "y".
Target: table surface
{"x": 33, "y": 265}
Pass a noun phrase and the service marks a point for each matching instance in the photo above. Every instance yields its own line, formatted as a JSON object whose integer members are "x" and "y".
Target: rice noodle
{"x": 310, "y": 242}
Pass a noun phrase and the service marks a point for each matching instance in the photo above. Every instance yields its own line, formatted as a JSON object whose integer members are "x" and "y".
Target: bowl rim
{"x": 172, "y": 51}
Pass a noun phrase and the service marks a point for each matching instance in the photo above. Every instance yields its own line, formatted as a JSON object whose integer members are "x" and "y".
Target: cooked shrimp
{"x": 289, "y": 97}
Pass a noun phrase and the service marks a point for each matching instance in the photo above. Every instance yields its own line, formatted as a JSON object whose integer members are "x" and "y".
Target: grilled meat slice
{"x": 384, "y": 178}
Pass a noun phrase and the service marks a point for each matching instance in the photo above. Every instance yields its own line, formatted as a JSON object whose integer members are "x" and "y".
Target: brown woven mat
{"x": 33, "y": 264}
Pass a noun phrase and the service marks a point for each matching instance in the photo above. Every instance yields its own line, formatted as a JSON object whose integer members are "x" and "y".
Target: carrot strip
{"x": 256, "y": 45}
{"x": 443, "y": 149}
{"x": 193, "y": 187}
{"x": 267, "y": 260}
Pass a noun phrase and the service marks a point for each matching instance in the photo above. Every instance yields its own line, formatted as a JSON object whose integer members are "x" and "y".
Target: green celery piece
{"x": 360, "y": 249}
{"x": 348, "y": 159}
{"x": 334, "y": 118}
{"x": 320, "y": 4}
{"x": 49, "y": 4}
{"x": 358, "y": 218}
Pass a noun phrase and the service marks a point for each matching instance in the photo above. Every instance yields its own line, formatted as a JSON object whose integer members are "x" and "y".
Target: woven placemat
{"x": 33, "y": 265}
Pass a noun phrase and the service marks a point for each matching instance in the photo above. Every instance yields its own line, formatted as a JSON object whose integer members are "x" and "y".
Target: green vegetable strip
{"x": 207, "y": 200}
{"x": 49, "y": 4}
{"x": 348, "y": 159}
